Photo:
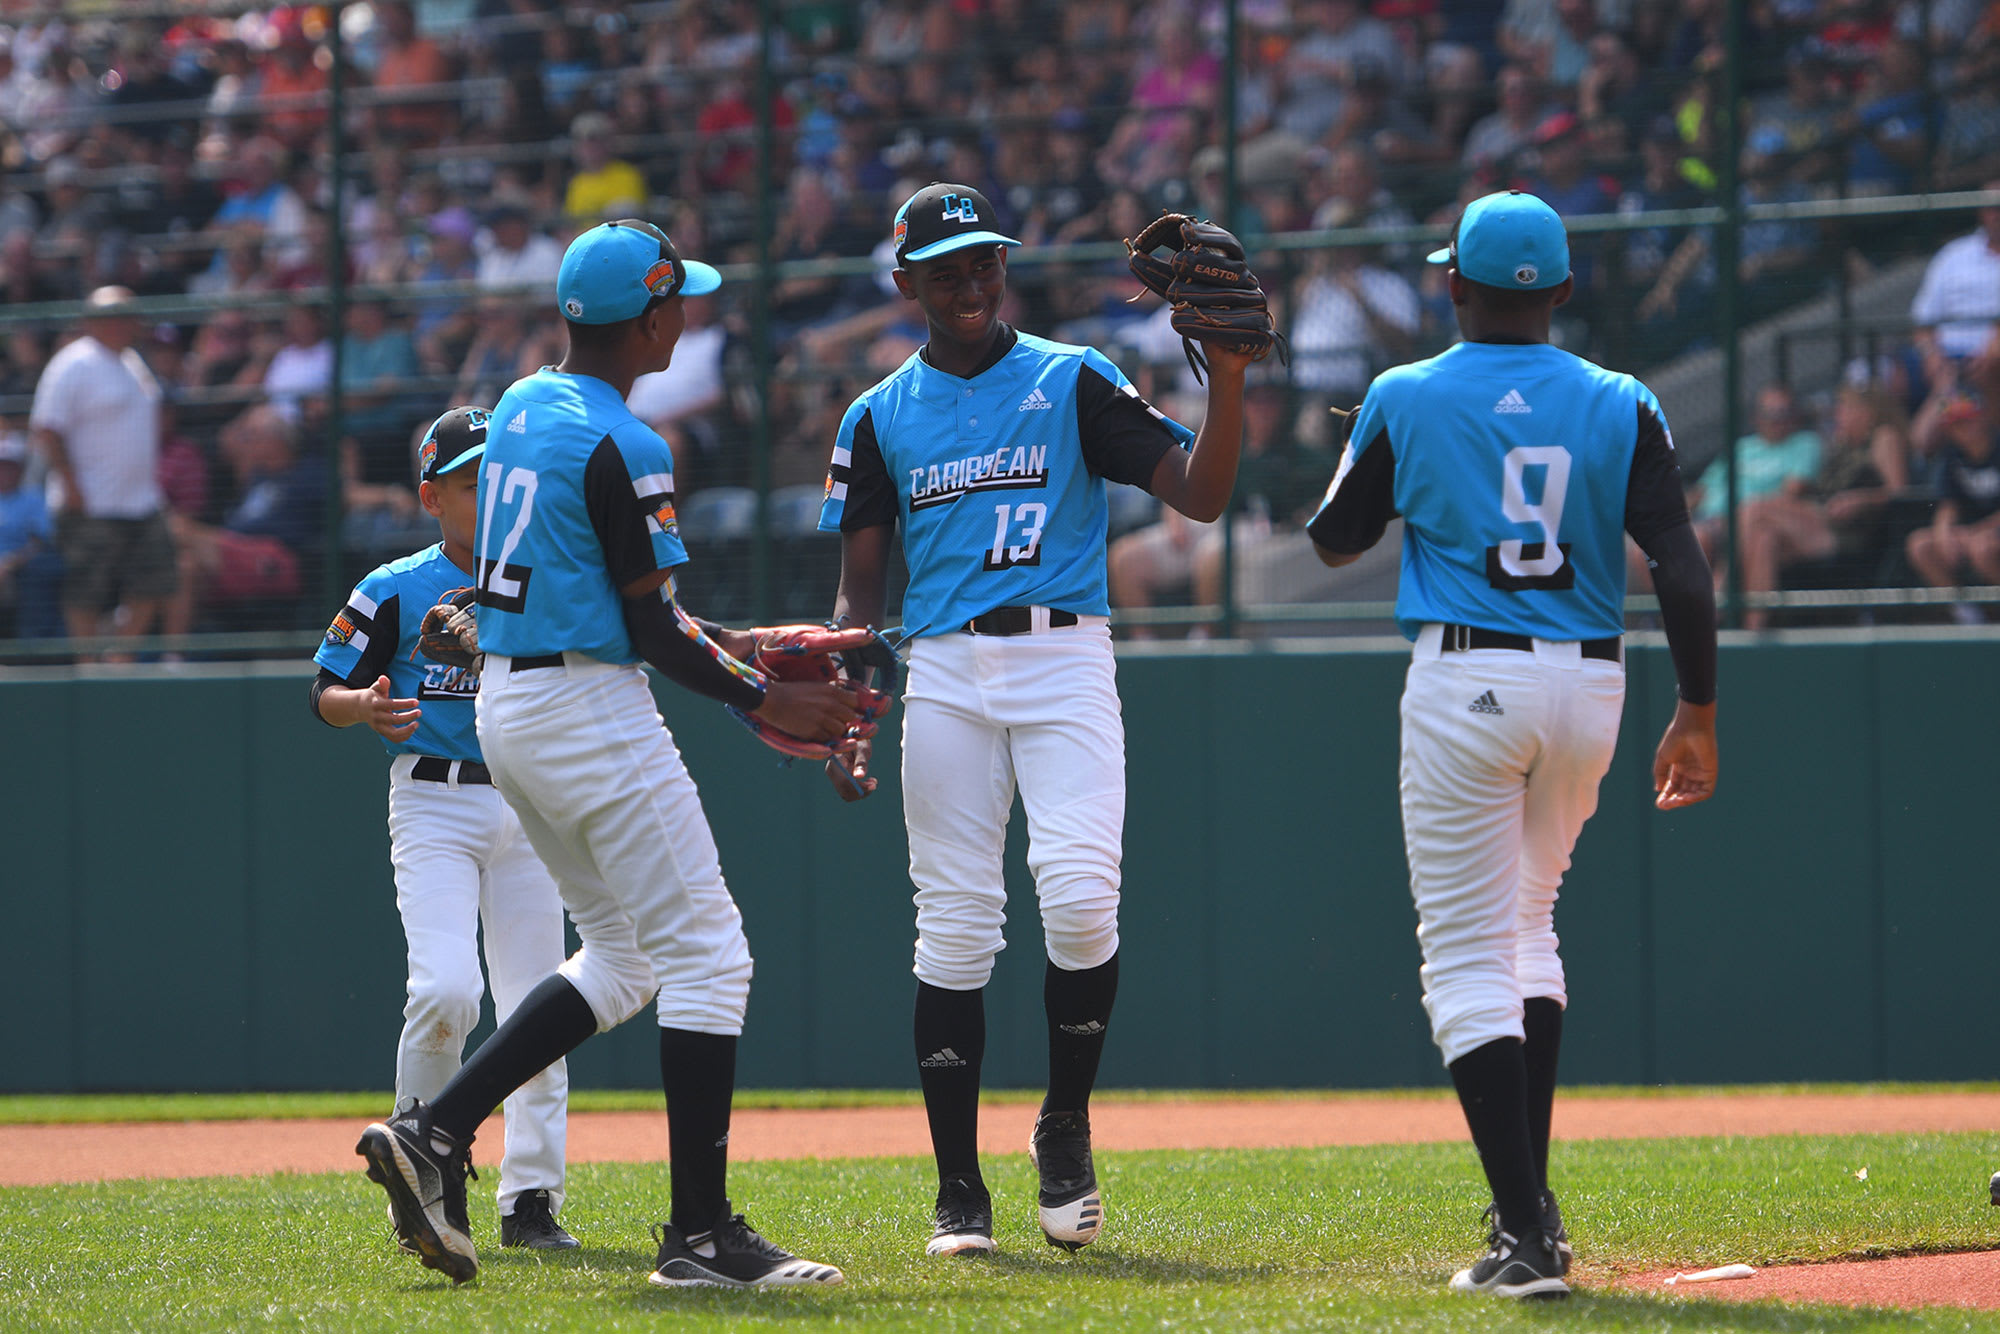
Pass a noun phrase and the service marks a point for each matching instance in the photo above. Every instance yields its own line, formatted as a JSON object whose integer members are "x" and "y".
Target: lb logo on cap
{"x": 958, "y": 208}
{"x": 1526, "y": 275}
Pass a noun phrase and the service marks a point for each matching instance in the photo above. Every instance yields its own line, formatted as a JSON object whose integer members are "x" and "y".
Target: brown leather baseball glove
{"x": 1215, "y": 296}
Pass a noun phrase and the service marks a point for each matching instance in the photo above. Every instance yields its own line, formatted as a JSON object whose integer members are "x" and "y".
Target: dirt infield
{"x": 49, "y": 1154}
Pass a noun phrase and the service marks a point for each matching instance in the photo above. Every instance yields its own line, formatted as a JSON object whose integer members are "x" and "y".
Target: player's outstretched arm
{"x": 1198, "y": 482}
{"x": 341, "y": 705}
{"x": 1684, "y": 766}
{"x": 862, "y": 600}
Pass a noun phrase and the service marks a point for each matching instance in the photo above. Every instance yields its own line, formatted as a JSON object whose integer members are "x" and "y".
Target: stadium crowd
{"x": 189, "y": 156}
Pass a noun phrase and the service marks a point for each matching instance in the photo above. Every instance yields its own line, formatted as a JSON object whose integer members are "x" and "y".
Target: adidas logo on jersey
{"x": 943, "y": 1056}
{"x": 1035, "y": 402}
{"x": 1512, "y": 402}
{"x": 519, "y": 426}
{"x": 1485, "y": 704}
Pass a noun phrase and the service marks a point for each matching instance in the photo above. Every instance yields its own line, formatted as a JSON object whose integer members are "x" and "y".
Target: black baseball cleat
{"x": 733, "y": 1255}
{"x": 533, "y": 1224}
{"x": 1993, "y": 1188}
{"x": 1072, "y": 1210}
{"x": 424, "y": 1171}
{"x": 1523, "y": 1266}
{"x": 964, "y": 1218}
{"x": 1552, "y": 1223}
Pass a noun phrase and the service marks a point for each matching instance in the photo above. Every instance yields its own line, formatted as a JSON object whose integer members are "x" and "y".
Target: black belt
{"x": 1015, "y": 621}
{"x": 529, "y": 664}
{"x": 1458, "y": 638}
{"x": 433, "y": 769}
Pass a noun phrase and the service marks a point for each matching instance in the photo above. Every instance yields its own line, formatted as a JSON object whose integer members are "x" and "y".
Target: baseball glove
{"x": 1216, "y": 299}
{"x": 450, "y": 631}
{"x": 857, "y": 659}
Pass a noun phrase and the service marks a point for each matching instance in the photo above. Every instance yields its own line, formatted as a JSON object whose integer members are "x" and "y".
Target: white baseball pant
{"x": 1502, "y": 754}
{"x": 981, "y": 715}
{"x": 581, "y": 754}
{"x": 461, "y": 860}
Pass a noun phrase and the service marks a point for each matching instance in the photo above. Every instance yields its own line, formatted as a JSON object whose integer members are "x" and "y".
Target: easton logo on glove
{"x": 857, "y": 659}
{"x": 1216, "y": 298}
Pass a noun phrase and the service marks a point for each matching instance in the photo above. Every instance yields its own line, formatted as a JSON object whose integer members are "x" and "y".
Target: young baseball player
{"x": 1517, "y": 468}
{"x": 991, "y": 449}
{"x": 573, "y": 559}
{"x": 459, "y": 854}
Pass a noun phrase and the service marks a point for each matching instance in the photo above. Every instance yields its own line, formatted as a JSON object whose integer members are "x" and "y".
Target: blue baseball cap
{"x": 941, "y": 218}
{"x": 454, "y": 440}
{"x": 1511, "y": 240}
{"x": 610, "y": 272}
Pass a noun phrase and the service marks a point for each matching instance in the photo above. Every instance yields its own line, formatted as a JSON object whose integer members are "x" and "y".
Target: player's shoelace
{"x": 1062, "y": 1150}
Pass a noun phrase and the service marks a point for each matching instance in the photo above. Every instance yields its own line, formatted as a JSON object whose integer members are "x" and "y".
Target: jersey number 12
{"x": 502, "y": 583}
{"x": 1515, "y": 566}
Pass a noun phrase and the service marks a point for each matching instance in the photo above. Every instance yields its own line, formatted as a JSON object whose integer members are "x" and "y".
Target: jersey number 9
{"x": 1516, "y": 566}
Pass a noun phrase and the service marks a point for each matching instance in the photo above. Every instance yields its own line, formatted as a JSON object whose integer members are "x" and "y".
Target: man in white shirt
{"x": 1958, "y": 306}
{"x": 96, "y": 418}
{"x": 670, "y": 400}
{"x": 512, "y": 254}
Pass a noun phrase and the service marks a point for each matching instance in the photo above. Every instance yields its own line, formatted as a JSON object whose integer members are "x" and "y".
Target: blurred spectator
{"x": 567, "y": 71}
{"x": 602, "y": 186}
{"x": 407, "y": 76}
{"x": 514, "y": 254}
{"x": 1563, "y": 181}
{"x": 494, "y": 359}
{"x": 1337, "y": 37}
{"x": 1799, "y": 127}
{"x": 677, "y": 401}
{"x": 302, "y": 366}
{"x": 1356, "y": 197}
{"x": 96, "y": 419}
{"x": 1352, "y": 317}
{"x": 1837, "y": 517}
{"x": 1962, "y": 543}
{"x": 1778, "y": 458}
{"x": 1957, "y": 308}
{"x": 255, "y": 554}
{"x": 30, "y": 569}
{"x": 376, "y": 358}
{"x": 443, "y": 324}
{"x": 1894, "y": 122}
{"x": 1496, "y": 138}
{"x": 1613, "y": 84}
{"x": 260, "y": 203}
{"x": 292, "y": 79}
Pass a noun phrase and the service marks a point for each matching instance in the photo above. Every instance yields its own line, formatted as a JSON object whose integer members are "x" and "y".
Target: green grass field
{"x": 1285, "y": 1239}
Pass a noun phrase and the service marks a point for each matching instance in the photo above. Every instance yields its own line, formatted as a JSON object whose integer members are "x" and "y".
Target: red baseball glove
{"x": 857, "y": 659}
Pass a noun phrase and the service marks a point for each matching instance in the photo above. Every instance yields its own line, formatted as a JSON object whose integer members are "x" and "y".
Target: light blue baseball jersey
{"x": 375, "y": 635}
{"x": 998, "y": 479}
{"x": 1516, "y": 468}
{"x": 576, "y": 500}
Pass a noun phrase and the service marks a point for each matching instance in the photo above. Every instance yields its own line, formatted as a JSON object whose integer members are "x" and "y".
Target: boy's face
{"x": 453, "y": 500}
{"x": 960, "y": 293}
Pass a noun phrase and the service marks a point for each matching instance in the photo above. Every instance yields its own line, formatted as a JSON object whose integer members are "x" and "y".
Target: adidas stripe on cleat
{"x": 1071, "y": 1208}
{"x": 733, "y": 1255}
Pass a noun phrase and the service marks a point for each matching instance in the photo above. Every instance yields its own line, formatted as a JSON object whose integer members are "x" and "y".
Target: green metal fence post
{"x": 760, "y": 320}
{"x": 1232, "y": 40}
{"x": 1729, "y": 242}
{"x": 332, "y": 583}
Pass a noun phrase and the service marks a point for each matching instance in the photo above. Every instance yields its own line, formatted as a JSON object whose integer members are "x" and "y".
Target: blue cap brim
{"x": 1443, "y": 256}
{"x": 960, "y": 242}
{"x": 701, "y": 279}
{"x": 459, "y": 462}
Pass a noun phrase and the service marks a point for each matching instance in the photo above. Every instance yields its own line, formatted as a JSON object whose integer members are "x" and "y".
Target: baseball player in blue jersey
{"x": 1517, "y": 468}
{"x": 459, "y": 855}
{"x": 574, "y": 556}
{"x": 991, "y": 449}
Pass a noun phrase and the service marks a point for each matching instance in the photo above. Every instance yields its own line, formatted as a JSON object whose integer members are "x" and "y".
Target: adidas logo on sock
{"x": 943, "y": 1056}
{"x": 1088, "y": 1029}
{"x": 1485, "y": 704}
{"x": 1036, "y": 402}
{"x": 1512, "y": 402}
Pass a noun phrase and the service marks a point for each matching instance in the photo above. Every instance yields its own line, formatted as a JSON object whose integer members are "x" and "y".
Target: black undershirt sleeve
{"x": 672, "y": 641}
{"x": 871, "y": 496}
{"x": 1656, "y": 515}
{"x": 620, "y": 515}
{"x": 384, "y": 633}
{"x": 1124, "y": 437}
{"x": 1361, "y": 502}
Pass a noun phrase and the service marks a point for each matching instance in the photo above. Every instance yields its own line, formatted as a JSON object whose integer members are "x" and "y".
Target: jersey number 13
{"x": 1515, "y": 566}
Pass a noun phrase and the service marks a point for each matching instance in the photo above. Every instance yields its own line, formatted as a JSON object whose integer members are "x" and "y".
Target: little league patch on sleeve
{"x": 341, "y": 631}
{"x": 664, "y": 516}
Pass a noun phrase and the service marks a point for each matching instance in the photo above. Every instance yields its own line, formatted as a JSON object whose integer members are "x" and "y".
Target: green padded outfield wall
{"x": 198, "y": 892}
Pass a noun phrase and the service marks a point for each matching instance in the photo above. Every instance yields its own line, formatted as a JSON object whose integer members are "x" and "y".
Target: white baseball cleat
{"x": 733, "y": 1255}
{"x": 424, "y": 1171}
{"x": 1072, "y": 1209}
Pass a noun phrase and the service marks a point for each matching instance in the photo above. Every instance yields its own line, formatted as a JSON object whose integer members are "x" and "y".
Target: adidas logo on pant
{"x": 943, "y": 1056}
{"x": 1485, "y": 704}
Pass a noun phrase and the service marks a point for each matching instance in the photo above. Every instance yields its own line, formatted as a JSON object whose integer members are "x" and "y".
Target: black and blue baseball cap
{"x": 610, "y": 272}
{"x": 941, "y": 218}
{"x": 1511, "y": 240}
{"x": 454, "y": 440}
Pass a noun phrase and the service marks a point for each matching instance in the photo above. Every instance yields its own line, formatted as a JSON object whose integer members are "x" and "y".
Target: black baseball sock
{"x": 951, "y": 1042}
{"x": 1079, "y": 1008}
{"x": 1492, "y": 1084}
{"x": 551, "y": 1022}
{"x": 698, "y": 1071}
{"x": 1543, "y": 1018}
